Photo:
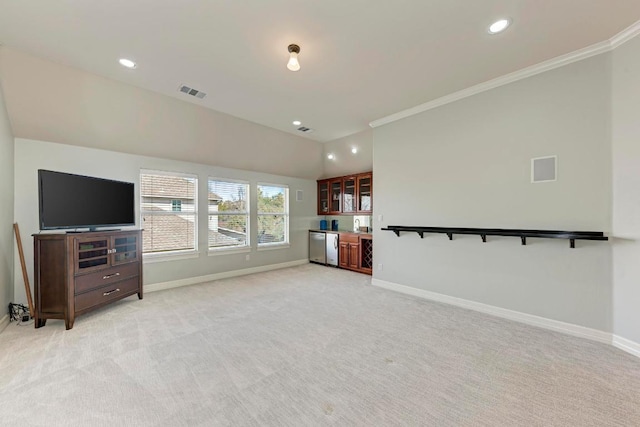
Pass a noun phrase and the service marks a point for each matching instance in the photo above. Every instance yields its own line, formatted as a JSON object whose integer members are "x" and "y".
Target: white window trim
{"x": 221, "y": 250}
{"x": 168, "y": 172}
{"x": 229, "y": 250}
{"x": 151, "y": 257}
{"x": 276, "y": 245}
{"x": 273, "y": 246}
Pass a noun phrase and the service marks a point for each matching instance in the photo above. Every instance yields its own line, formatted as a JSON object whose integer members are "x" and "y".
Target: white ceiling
{"x": 361, "y": 59}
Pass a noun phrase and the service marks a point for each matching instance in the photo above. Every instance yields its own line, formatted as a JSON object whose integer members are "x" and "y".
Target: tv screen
{"x": 76, "y": 201}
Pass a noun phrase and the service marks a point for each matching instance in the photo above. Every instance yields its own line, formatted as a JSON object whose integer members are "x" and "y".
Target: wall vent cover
{"x": 305, "y": 129}
{"x": 544, "y": 169}
{"x": 191, "y": 91}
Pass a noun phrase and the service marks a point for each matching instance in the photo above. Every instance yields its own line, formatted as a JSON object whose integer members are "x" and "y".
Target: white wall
{"x": 6, "y": 210}
{"x": 626, "y": 190}
{"x": 467, "y": 164}
{"x": 52, "y": 102}
{"x": 345, "y": 161}
{"x": 32, "y": 155}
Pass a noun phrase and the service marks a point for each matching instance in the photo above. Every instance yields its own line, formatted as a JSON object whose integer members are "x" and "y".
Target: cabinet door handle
{"x": 109, "y": 276}
{"x": 110, "y": 292}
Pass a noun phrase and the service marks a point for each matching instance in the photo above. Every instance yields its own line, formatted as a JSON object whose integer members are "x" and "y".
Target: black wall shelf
{"x": 572, "y": 236}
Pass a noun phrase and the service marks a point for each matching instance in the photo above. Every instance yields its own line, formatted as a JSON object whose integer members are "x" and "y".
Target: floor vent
{"x": 191, "y": 91}
{"x": 305, "y": 129}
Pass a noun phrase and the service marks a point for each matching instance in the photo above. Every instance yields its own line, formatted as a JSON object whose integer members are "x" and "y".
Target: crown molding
{"x": 625, "y": 35}
{"x": 557, "y": 62}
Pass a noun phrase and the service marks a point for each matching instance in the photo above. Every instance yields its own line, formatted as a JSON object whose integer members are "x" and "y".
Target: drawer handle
{"x": 110, "y": 292}
{"x": 109, "y": 276}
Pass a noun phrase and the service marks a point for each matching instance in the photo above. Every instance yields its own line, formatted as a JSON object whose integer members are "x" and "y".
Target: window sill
{"x": 169, "y": 256}
{"x": 273, "y": 246}
{"x": 228, "y": 251}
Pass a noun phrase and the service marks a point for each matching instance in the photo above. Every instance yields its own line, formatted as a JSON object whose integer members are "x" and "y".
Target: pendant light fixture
{"x": 293, "y": 63}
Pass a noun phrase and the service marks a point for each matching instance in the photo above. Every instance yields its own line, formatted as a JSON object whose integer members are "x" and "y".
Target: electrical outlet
{"x": 380, "y": 267}
{"x": 380, "y": 218}
{"x": 247, "y": 257}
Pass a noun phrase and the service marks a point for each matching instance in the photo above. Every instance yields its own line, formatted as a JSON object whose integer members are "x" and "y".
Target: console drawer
{"x": 87, "y": 282}
{"x": 106, "y": 293}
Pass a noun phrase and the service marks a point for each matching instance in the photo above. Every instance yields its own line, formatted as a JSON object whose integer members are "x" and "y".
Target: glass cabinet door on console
{"x": 349, "y": 194}
{"x": 125, "y": 249}
{"x": 335, "y": 187}
{"x": 92, "y": 253}
{"x": 323, "y": 197}
{"x": 365, "y": 195}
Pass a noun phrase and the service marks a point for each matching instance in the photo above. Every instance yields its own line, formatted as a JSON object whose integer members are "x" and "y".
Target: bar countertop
{"x": 342, "y": 231}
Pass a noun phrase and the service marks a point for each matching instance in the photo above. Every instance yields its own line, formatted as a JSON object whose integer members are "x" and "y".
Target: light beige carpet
{"x": 309, "y": 345}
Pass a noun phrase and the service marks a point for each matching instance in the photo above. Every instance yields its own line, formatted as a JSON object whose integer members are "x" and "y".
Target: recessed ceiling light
{"x": 297, "y": 122}
{"x": 127, "y": 63}
{"x": 499, "y": 26}
{"x": 354, "y": 150}
{"x": 330, "y": 156}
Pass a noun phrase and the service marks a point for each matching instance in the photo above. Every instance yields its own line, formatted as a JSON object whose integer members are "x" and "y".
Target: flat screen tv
{"x": 76, "y": 201}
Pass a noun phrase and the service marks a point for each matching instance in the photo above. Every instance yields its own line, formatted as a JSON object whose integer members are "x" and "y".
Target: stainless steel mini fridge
{"x": 317, "y": 251}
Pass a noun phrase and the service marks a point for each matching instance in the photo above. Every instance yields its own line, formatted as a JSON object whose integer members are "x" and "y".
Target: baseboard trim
{"x": 4, "y": 322}
{"x": 154, "y": 287}
{"x": 629, "y": 346}
{"x": 529, "y": 319}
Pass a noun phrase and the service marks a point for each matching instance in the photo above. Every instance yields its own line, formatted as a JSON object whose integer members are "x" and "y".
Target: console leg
{"x": 69, "y": 322}
{"x": 39, "y": 323}
{"x": 140, "y": 295}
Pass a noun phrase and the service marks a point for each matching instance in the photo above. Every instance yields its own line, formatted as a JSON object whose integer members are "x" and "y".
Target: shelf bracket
{"x": 524, "y": 240}
{"x": 484, "y": 238}
{"x": 421, "y": 233}
{"x": 572, "y": 243}
{"x": 450, "y": 235}
{"x": 397, "y": 232}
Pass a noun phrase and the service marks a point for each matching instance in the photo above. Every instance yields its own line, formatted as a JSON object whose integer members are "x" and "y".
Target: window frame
{"x": 179, "y": 253}
{"x": 231, "y": 249}
{"x": 274, "y": 245}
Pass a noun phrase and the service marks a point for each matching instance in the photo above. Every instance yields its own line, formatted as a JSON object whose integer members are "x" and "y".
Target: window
{"x": 169, "y": 212}
{"x": 273, "y": 214}
{"x": 228, "y": 214}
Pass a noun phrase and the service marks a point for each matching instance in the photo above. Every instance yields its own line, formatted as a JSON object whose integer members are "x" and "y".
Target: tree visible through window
{"x": 273, "y": 214}
{"x": 228, "y": 214}
{"x": 169, "y": 212}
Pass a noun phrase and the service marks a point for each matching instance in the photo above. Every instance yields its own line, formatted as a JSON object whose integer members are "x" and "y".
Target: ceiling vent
{"x": 193, "y": 92}
{"x": 305, "y": 129}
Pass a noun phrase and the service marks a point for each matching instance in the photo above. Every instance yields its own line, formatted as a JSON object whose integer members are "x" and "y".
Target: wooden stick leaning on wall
{"x": 27, "y": 287}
